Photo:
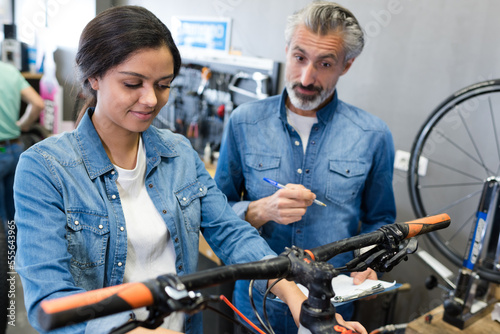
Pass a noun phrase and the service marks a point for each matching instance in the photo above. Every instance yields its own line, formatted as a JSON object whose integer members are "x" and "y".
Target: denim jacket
{"x": 72, "y": 234}
{"x": 348, "y": 165}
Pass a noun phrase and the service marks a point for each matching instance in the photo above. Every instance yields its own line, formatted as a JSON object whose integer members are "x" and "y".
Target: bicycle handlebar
{"x": 89, "y": 305}
{"x": 401, "y": 230}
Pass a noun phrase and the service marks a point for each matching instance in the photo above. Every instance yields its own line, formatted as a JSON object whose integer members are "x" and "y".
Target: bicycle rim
{"x": 460, "y": 141}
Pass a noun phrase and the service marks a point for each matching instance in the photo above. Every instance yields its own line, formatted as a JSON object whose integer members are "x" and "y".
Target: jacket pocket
{"x": 189, "y": 198}
{"x": 345, "y": 180}
{"x": 88, "y": 237}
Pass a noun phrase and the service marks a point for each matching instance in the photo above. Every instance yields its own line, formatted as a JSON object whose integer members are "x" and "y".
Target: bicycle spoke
{"x": 454, "y": 169}
{"x": 447, "y": 242}
{"x": 450, "y": 185}
{"x": 473, "y": 143}
{"x": 480, "y": 163}
{"x": 457, "y": 202}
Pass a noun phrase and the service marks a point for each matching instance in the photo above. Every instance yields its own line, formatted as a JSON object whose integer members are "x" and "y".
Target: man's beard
{"x": 307, "y": 102}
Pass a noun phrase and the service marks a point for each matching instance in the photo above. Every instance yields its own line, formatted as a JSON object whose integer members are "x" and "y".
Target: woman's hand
{"x": 353, "y": 325}
{"x": 290, "y": 293}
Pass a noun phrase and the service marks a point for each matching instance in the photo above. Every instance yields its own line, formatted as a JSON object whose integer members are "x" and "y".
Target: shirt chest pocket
{"x": 259, "y": 166}
{"x": 88, "y": 237}
{"x": 189, "y": 199}
{"x": 345, "y": 180}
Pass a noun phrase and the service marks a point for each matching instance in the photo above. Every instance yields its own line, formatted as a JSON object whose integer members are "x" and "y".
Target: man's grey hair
{"x": 323, "y": 17}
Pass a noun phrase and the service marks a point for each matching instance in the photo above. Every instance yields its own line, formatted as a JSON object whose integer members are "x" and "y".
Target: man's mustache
{"x": 311, "y": 87}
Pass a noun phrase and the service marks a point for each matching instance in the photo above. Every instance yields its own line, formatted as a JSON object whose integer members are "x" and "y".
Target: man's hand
{"x": 360, "y": 277}
{"x": 285, "y": 206}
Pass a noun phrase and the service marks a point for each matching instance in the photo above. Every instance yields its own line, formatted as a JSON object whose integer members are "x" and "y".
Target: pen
{"x": 280, "y": 186}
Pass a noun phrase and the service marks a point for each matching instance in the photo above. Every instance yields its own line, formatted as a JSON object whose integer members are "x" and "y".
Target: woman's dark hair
{"x": 114, "y": 35}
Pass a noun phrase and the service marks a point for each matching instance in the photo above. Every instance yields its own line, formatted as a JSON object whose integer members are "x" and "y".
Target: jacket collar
{"x": 95, "y": 157}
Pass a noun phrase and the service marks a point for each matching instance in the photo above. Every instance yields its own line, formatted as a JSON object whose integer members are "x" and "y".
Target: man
{"x": 315, "y": 144}
{"x": 13, "y": 89}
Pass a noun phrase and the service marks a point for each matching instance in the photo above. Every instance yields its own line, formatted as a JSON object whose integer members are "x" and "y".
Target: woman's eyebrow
{"x": 135, "y": 74}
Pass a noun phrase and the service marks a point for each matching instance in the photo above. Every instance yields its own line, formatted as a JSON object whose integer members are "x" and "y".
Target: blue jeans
{"x": 9, "y": 156}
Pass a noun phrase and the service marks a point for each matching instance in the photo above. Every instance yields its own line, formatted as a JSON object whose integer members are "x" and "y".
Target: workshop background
{"x": 417, "y": 54}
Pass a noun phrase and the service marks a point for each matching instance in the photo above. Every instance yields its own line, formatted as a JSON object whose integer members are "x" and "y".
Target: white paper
{"x": 343, "y": 286}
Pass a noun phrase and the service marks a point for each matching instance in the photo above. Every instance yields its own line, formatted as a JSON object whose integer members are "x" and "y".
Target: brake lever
{"x": 409, "y": 246}
{"x": 363, "y": 261}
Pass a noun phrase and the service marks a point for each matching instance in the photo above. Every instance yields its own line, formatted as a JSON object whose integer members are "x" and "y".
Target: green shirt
{"x": 11, "y": 84}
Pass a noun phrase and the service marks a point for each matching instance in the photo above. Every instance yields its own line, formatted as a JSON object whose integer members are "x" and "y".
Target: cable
{"x": 225, "y": 300}
{"x": 266, "y": 318}
{"x": 250, "y": 295}
{"x": 228, "y": 318}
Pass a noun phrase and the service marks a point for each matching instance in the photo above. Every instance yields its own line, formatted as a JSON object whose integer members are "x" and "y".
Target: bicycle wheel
{"x": 460, "y": 141}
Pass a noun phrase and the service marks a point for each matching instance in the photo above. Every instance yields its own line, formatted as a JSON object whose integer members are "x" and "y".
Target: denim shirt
{"x": 348, "y": 165}
{"x": 72, "y": 234}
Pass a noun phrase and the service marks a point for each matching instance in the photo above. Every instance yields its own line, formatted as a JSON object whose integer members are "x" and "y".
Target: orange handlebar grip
{"x": 427, "y": 224}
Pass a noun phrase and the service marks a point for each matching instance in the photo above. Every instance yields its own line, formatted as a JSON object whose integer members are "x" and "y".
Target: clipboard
{"x": 347, "y": 292}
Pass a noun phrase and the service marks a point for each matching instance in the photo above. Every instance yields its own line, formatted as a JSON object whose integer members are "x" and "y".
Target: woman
{"x": 118, "y": 200}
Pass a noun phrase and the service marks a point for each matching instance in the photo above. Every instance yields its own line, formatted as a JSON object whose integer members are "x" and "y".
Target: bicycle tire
{"x": 477, "y": 100}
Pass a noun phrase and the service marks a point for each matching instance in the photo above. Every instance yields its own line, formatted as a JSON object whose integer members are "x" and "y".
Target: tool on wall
{"x": 206, "y": 91}
{"x": 261, "y": 81}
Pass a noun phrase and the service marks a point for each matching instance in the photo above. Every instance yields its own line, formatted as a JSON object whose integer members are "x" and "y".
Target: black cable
{"x": 240, "y": 325}
{"x": 266, "y": 318}
{"x": 250, "y": 295}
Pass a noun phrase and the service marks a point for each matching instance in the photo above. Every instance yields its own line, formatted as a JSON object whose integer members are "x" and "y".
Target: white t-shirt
{"x": 301, "y": 124}
{"x": 150, "y": 250}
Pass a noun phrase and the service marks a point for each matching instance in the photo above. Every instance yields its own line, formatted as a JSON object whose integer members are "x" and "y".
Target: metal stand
{"x": 471, "y": 297}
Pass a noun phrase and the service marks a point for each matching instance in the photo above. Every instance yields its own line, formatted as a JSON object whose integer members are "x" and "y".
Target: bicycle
{"x": 170, "y": 293}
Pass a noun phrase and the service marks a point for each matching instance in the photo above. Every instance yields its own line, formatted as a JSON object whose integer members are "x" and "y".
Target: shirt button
{"x": 184, "y": 199}
{"x": 307, "y": 171}
{"x": 101, "y": 227}
{"x": 299, "y": 171}
{"x": 179, "y": 267}
{"x": 113, "y": 196}
{"x": 112, "y": 172}
{"x": 313, "y": 142}
{"x": 77, "y": 222}
{"x": 150, "y": 185}
{"x": 297, "y": 143}
{"x": 347, "y": 171}
{"x": 299, "y": 231}
{"x": 122, "y": 228}
{"x": 201, "y": 190}
{"x": 120, "y": 264}
{"x": 164, "y": 211}
{"x": 176, "y": 240}
{"x": 315, "y": 128}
